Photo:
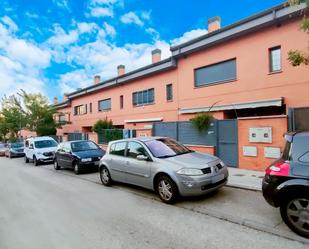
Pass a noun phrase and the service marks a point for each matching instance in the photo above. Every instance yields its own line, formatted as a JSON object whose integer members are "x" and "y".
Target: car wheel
{"x": 167, "y": 189}
{"x": 76, "y": 168}
{"x": 56, "y": 165}
{"x": 26, "y": 159}
{"x": 295, "y": 213}
{"x": 35, "y": 161}
{"x": 105, "y": 176}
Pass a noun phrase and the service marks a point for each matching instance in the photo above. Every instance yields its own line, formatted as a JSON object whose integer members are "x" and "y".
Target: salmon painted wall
{"x": 160, "y": 109}
{"x": 254, "y": 82}
{"x": 260, "y": 162}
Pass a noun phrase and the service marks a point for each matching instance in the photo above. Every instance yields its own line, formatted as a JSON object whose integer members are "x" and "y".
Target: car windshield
{"x": 17, "y": 145}
{"x": 165, "y": 147}
{"x": 83, "y": 146}
{"x": 45, "y": 144}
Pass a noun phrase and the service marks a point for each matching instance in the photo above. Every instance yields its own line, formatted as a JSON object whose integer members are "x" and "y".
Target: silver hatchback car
{"x": 163, "y": 165}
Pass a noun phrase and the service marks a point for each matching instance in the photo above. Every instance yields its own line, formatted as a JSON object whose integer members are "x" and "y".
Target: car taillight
{"x": 279, "y": 169}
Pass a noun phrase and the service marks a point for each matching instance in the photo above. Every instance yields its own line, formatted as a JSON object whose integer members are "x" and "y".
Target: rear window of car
{"x": 300, "y": 147}
{"x": 118, "y": 149}
{"x": 286, "y": 155}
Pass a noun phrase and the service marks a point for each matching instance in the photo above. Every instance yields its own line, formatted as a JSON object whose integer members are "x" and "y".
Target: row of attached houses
{"x": 241, "y": 70}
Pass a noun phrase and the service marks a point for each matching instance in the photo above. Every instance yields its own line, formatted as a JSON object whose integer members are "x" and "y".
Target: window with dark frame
{"x": 145, "y": 97}
{"x": 216, "y": 73}
{"x": 90, "y": 107}
{"x": 275, "y": 59}
{"x": 121, "y": 101}
{"x": 80, "y": 110}
{"x": 169, "y": 92}
{"x": 105, "y": 105}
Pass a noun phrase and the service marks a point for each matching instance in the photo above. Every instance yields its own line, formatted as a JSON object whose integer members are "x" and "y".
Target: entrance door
{"x": 228, "y": 142}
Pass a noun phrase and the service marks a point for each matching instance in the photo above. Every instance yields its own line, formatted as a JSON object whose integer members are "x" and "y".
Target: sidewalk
{"x": 245, "y": 179}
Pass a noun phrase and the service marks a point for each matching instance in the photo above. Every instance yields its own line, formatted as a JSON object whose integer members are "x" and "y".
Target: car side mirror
{"x": 142, "y": 158}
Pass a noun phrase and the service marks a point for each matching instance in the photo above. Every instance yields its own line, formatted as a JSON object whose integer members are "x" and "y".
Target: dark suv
{"x": 286, "y": 183}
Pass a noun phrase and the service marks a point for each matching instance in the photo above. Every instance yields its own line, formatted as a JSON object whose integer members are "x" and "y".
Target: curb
{"x": 244, "y": 187}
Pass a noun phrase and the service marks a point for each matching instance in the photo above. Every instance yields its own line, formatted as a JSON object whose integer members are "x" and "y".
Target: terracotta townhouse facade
{"x": 241, "y": 71}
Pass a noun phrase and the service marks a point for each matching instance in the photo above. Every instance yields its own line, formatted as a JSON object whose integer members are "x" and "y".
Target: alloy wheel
{"x": 105, "y": 176}
{"x": 165, "y": 190}
{"x": 298, "y": 214}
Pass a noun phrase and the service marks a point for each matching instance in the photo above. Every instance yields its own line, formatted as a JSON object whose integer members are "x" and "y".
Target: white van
{"x": 40, "y": 149}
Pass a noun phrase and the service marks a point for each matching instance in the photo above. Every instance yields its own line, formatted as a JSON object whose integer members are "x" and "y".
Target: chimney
{"x": 55, "y": 100}
{"x": 121, "y": 70}
{"x": 97, "y": 79}
{"x": 156, "y": 55}
{"x": 65, "y": 96}
{"x": 214, "y": 24}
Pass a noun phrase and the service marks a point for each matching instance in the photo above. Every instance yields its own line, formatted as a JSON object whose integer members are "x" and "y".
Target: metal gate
{"x": 77, "y": 136}
{"x": 227, "y": 148}
{"x": 299, "y": 119}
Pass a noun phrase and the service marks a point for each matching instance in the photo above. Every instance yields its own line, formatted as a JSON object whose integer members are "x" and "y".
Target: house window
{"x": 215, "y": 73}
{"x": 121, "y": 101}
{"x": 275, "y": 59}
{"x": 105, "y": 105}
{"x": 80, "y": 110}
{"x": 90, "y": 107}
{"x": 169, "y": 92}
{"x": 62, "y": 118}
{"x": 143, "y": 97}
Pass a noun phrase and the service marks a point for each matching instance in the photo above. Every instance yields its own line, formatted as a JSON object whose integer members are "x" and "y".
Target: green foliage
{"x": 101, "y": 125}
{"x": 202, "y": 121}
{"x": 296, "y": 57}
{"x": 28, "y": 111}
{"x": 107, "y": 135}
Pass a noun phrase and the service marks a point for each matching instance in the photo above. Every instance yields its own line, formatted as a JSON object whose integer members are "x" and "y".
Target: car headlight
{"x": 86, "y": 160}
{"x": 222, "y": 163}
{"x": 190, "y": 172}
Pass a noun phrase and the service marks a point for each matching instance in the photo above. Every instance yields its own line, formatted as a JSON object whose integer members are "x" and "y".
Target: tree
{"x": 3, "y": 128}
{"x": 297, "y": 57}
{"x": 102, "y": 124}
{"x": 13, "y": 120}
{"x": 29, "y": 111}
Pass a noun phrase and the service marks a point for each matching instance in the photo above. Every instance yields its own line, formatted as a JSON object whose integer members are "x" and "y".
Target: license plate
{"x": 217, "y": 178}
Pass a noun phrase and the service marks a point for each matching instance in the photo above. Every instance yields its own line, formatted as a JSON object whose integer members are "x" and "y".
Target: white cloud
{"x": 189, "y": 36}
{"x": 21, "y": 62}
{"x": 131, "y": 18}
{"x": 109, "y": 29}
{"x": 101, "y": 57}
{"x": 101, "y": 12}
{"x": 61, "y": 37}
{"x": 71, "y": 81}
{"x": 62, "y": 4}
{"x": 31, "y": 15}
{"x": 84, "y": 27}
{"x": 104, "y": 2}
{"x": 9, "y": 23}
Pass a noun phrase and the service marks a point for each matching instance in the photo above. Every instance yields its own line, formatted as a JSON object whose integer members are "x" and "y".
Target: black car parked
{"x": 78, "y": 155}
{"x": 286, "y": 183}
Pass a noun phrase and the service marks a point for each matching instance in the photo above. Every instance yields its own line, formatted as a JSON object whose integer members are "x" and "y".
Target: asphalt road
{"x": 42, "y": 208}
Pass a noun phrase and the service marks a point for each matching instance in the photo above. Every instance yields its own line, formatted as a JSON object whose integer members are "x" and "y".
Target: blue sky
{"x": 57, "y": 46}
